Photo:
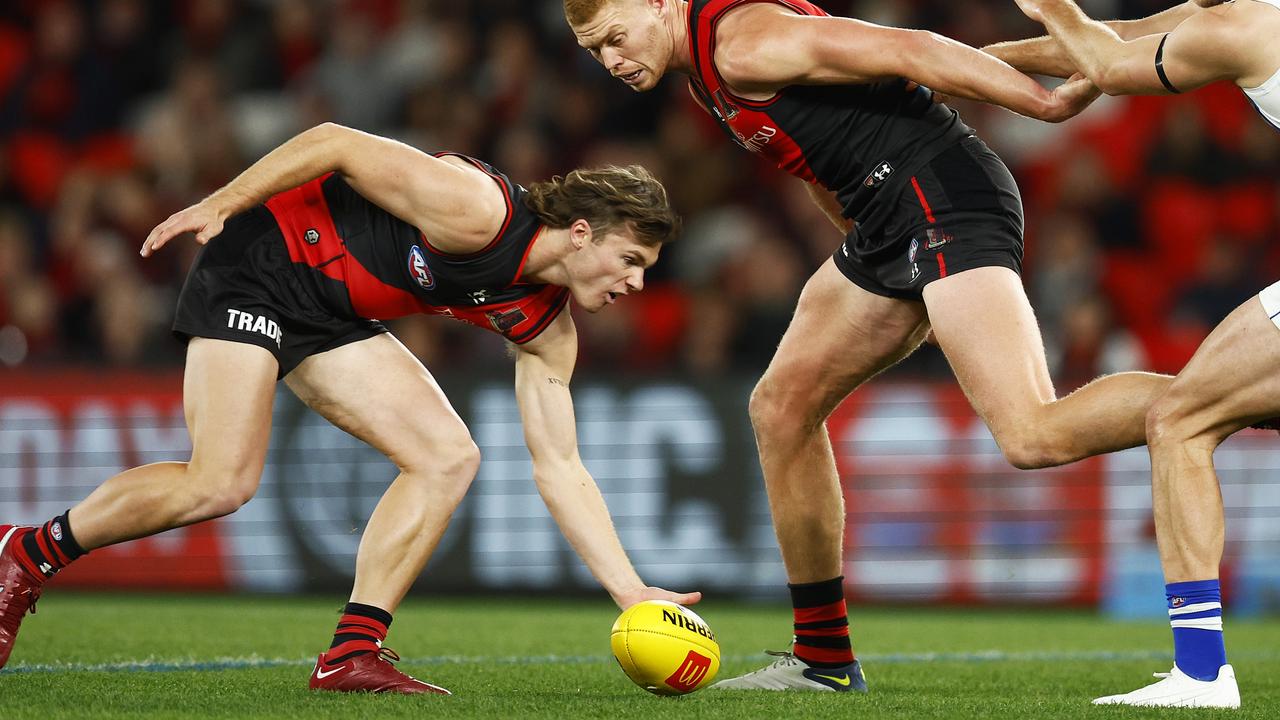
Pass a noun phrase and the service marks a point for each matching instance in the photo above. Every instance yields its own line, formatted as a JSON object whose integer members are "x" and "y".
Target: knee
{"x": 220, "y": 491}
{"x": 778, "y": 409}
{"x": 1172, "y": 421}
{"x": 448, "y": 464}
{"x": 1027, "y": 447}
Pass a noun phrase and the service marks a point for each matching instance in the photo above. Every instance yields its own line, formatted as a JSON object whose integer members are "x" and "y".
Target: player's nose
{"x": 611, "y": 59}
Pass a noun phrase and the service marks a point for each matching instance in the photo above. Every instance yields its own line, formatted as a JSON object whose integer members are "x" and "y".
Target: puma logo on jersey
{"x": 248, "y": 322}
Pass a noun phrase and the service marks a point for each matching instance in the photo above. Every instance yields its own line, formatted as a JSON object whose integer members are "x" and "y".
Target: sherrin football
{"x": 665, "y": 648}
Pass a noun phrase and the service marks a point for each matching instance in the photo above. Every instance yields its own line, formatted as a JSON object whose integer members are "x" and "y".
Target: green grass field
{"x": 121, "y": 656}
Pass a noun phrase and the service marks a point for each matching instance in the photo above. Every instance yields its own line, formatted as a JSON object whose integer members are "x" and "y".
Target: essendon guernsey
{"x": 859, "y": 141}
{"x": 370, "y": 264}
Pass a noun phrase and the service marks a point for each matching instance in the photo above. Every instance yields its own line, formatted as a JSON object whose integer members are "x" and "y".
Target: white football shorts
{"x": 1270, "y": 298}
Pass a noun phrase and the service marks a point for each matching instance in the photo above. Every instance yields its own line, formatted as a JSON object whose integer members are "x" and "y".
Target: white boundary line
{"x": 253, "y": 661}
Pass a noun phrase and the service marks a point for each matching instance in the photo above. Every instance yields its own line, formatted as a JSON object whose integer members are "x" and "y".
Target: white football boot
{"x": 1177, "y": 689}
{"x": 790, "y": 673}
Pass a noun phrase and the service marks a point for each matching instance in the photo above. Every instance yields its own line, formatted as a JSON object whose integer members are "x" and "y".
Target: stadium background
{"x": 1148, "y": 220}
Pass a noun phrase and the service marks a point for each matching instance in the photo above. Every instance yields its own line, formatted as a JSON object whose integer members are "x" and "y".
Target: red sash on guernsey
{"x": 746, "y": 119}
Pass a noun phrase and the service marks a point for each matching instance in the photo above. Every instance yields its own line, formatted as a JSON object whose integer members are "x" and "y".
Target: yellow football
{"x": 665, "y": 648}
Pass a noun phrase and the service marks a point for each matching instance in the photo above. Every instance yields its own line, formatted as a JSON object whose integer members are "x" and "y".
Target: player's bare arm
{"x": 1204, "y": 48}
{"x": 763, "y": 48}
{"x": 1045, "y": 56}
{"x": 544, "y": 367}
{"x": 455, "y": 204}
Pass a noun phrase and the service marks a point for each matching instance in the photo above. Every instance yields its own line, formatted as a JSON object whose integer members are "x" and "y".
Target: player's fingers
{"x": 686, "y": 598}
{"x": 208, "y": 232}
{"x": 164, "y": 234}
{"x": 150, "y": 244}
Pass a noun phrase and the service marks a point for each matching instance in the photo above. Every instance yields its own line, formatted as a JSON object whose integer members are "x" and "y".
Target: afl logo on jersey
{"x": 419, "y": 270}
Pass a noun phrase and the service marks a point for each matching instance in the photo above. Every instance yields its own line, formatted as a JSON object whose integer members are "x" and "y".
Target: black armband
{"x": 1160, "y": 67}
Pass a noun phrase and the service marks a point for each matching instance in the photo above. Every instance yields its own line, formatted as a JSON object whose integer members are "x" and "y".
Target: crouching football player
{"x": 304, "y": 252}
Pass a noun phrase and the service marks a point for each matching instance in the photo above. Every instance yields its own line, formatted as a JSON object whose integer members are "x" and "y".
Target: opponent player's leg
{"x": 377, "y": 391}
{"x": 985, "y": 326}
{"x": 227, "y": 395}
{"x": 840, "y": 337}
{"x": 1231, "y": 381}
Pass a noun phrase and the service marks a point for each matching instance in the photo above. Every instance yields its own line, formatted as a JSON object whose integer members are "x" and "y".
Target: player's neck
{"x": 545, "y": 263}
{"x": 681, "y": 55}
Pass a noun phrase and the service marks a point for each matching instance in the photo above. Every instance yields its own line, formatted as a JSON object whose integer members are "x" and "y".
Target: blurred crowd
{"x": 1148, "y": 218}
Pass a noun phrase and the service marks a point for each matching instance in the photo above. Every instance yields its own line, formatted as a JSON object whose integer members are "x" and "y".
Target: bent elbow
{"x": 1111, "y": 81}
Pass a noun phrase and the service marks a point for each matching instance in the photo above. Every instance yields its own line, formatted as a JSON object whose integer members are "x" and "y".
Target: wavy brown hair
{"x": 607, "y": 197}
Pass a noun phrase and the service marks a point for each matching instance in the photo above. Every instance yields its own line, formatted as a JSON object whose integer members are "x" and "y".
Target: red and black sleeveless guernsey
{"x": 863, "y": 142}
{"x": 368, "y": 263}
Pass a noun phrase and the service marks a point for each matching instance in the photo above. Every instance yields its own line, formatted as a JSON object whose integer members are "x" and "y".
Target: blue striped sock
{"x": 1195, "y": 612}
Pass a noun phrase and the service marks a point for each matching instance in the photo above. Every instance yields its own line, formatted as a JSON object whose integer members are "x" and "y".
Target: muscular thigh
{"x": 379, "y": 392}
{"x": 841, "y": 336}
{"x": 986, "y": 328}
{"x": 1234, "y": 377}
{"x": 227, "y": 394}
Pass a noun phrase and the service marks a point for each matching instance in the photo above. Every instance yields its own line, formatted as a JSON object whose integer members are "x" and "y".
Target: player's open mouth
{"x": 611, "y": 297}
{"x": 631, "y": 78}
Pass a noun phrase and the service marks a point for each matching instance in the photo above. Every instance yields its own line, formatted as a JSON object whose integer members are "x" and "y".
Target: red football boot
{"x": 18, "y": 590}
{"x": 371, "y": 672}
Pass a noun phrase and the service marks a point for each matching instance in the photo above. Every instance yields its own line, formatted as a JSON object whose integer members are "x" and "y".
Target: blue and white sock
{"x": 1195, "y": 612}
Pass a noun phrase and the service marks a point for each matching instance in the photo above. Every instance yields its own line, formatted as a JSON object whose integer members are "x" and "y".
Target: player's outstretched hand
{"x": 657, "y": 593}
{"x": 1071, "y": 97}
{"x": 204, "y": 221}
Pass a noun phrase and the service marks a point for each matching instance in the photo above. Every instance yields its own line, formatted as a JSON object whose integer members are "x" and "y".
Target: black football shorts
{"x": 243, "y": 287}
{"x": 959, "y": 212}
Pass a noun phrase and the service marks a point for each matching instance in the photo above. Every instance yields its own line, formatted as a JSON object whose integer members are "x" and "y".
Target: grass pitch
{"x": 123, "y": 656}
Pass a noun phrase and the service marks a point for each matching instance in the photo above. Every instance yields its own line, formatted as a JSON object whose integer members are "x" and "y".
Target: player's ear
{"x": 580, "y": 233}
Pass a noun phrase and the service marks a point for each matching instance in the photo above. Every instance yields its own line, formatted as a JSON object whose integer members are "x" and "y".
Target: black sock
{"x": 51, "y": 546}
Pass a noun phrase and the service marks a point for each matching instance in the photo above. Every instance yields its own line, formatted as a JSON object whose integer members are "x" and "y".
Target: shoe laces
{"x": 12, "y": 610}
{"x": 785, "y": 659}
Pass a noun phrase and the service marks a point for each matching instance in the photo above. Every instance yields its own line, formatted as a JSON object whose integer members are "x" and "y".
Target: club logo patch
{"x": 312, "y": 236}
{"x": 504, "y": 321}
{"x": 1177, "y": 602}
{"x": 56, "y": 531}
{"x": 418, "y": 269}
{"x": 936, "y": 237}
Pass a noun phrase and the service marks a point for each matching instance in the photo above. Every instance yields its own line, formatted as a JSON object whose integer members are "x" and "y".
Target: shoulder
{"x": 745, "y": 36}
{"x": 476, "y": 177}
{"x": 487, "y": 198}
{"x": 1229, "y": 40}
